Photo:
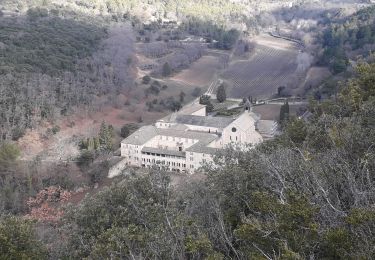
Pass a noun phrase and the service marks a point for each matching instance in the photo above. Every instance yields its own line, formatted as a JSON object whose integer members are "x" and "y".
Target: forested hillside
{"x": 349, "y": 37}
{"x": 307, "y": 194}
{"x": 49, "y": 65}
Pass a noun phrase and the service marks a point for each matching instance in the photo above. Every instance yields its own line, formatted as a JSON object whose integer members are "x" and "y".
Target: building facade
{"x": 185, "y": 140}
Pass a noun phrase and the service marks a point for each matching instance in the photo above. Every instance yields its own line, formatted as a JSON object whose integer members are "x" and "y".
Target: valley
{"x": 187, "y": 129}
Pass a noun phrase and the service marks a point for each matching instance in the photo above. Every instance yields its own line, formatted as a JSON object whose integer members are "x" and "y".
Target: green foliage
{"x": 128, "y": 129}
{"x": 9, "y": 153}
{"x": 284, "y": 113}
{"x": 85, "y": 159}
{"x": 355, "y": 32}
{"x": 106, "y": 134}
{"x": 221, "y": 94}
{"x": 18, "y": 240}
{"x": 92, "y": 147}
{"x": 166, "y": 70}
{"x": 146, "y": 79}
{"x": 205, "y": 100}
{"x": 46, "y": 46}
{"x": 296, "y": 130}
{"x": 212, "y": 32}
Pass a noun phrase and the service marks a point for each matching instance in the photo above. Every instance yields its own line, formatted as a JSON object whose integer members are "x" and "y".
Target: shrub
{"x": 167, "y": 70}
{"x": 146, "y": 79}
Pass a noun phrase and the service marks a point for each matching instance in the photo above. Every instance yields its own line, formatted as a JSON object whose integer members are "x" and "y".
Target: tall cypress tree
{"x": 284, "y": 113}
{"x": 220, "y": 94}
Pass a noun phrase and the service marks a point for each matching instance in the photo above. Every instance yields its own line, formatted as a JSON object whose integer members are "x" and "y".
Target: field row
{"x": 263, "y": 73}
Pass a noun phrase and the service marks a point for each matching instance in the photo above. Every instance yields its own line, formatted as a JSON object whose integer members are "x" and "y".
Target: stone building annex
{"x": 184, "y": 140}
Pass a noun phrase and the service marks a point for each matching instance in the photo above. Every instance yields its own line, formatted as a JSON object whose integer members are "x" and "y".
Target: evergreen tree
{"x": 18, "y": 240}
{"x": 182, "y": 96}
{"x": 221, "y": 94}
{"x": 105, "y": 136}
{"x": 96, "y": 143}
{"x": 125, "y": 131}
{"x": 284, "y": 113}
{"x": 166, "y": 70}
{"x": 91, "y": 145}
{"x": 205, "y": 100}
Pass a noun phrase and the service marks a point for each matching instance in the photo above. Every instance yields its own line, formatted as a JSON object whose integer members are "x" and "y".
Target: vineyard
{"x": 272, "y": 64}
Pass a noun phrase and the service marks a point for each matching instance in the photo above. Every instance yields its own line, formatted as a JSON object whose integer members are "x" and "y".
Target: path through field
{"x": 273, "y": 63}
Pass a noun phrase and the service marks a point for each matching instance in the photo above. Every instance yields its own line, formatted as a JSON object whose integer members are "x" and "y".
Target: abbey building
{"x": 184, "y": 140}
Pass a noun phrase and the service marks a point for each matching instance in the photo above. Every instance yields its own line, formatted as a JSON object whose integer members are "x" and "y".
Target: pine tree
{"x": 91, "y": 144}
{"x": 103, "y": 133}
{"x": 284, "y": 113}
{"x": 166, "y": 70}
{"x": 220, "y": 94}
{"x": 105, "y": 136}
{"x": 96, "y": 143}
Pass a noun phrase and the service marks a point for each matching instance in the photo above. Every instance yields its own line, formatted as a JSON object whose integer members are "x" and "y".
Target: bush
{"x": 85, "y": 159}
{"x": 17, "y": 133}
{"x": 167, "y": 70}
{"x": 128, "y": 129}
{"x": 18, "y": 240}
{"x": 146, "y": 79}
{"x": 55, "y": 129}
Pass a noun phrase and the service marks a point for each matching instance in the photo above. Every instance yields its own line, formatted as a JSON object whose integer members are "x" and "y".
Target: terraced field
{"x": 273, "y": 63}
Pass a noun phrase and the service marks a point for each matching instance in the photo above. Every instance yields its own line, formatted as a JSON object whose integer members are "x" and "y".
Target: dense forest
{"x": 307, "y": 194}
{"x": 51, "y": 65}
{"x": 347, "y": 37}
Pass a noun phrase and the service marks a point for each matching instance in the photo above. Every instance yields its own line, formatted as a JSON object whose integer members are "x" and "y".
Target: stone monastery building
{"x": 184, "y": 140}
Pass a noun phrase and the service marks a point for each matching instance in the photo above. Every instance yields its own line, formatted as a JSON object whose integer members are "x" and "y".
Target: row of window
{"x": 162, "y": 155}
{"x": 163, "y": 162}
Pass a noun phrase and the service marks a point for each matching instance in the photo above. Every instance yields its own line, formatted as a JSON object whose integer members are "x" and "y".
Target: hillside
{"x": 348, "y": 38}
{"x": 79, "y": 76}
{"x": 308, "y": 193}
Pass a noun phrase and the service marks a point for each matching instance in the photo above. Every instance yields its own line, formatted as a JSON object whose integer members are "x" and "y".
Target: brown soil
{"x": 200, "y": 72}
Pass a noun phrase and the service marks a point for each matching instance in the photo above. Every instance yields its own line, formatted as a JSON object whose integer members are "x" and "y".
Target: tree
{"x": 205, "y": 100}
{"x": 221, "y": 94}
{"x": 128, "y": 129}
{"x": 166, "y": 71}
{"x": 105, "y": 136}
{"x": 284, "y": 113}
{"x": 280, "y": 89}
{"x": 18, "y": 240}
{"x": 182, "y": 96}
{"x": 125, "y": 132}
{"x": 8, "y": 156}
{"x": 146, "y": 79}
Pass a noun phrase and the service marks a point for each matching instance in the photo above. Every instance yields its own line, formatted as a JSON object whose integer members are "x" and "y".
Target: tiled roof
{"x": 209, "y": 121}
{"x": 267, "y": 128}
{"x": 146, "y": 133}
{"x": 141, "y": 136}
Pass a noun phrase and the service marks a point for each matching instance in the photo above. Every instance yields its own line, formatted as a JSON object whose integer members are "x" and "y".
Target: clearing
{"x": 200, "y": 73}
{"x": 272, "y": 63}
